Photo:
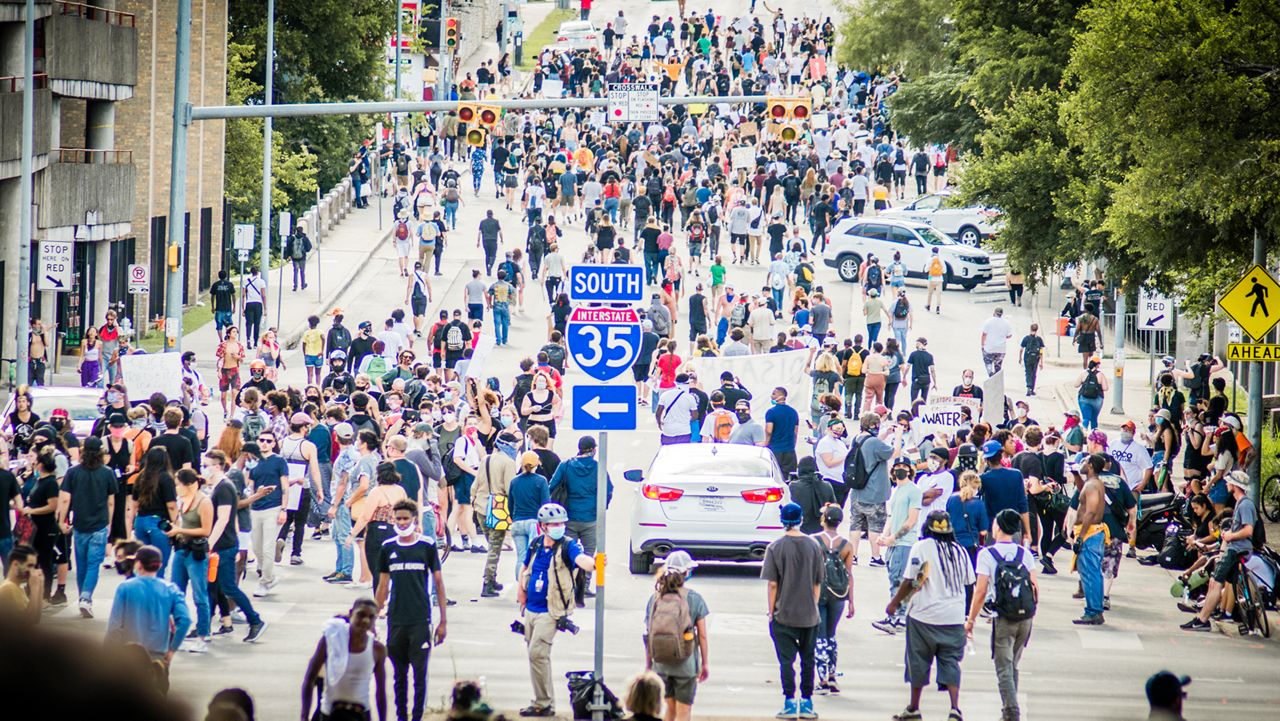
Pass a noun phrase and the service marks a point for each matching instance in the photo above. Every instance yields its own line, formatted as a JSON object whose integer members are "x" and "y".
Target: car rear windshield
{"x": 674, "y": 466}
{"x": 78, "y": 408}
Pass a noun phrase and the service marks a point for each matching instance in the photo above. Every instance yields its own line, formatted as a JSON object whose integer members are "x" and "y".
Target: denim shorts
{"x": 312, "y": 361}
{"x": 462, "y": 489}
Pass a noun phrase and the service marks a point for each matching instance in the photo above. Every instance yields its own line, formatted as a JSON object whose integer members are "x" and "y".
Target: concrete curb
{"x": 290, "y": 340}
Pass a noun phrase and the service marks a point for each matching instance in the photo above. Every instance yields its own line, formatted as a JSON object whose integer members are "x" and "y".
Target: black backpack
{"x": 1092, "y": 387}
{"x": 555, "y": 356}
{"x": 1015, "y": 596}
{"x": 835, "y": 575}
{"x": 873, "y": 276}
{"x": 1174, "y": 555}
{"x": 856, "y": 473}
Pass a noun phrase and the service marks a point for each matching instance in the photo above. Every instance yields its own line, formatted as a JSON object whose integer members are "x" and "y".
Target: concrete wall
{"x": 66, "y": 191}
{"x": 78, "y": 48}
{"x": 11, "y": 124}
{"x": 478, "y": 21}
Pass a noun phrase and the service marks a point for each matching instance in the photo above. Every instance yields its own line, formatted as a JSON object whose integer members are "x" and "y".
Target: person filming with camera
{"x": 547, "y": 599}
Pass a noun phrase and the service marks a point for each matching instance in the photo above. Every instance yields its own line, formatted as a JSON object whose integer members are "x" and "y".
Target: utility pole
{"x": 1117, "y": 387}
{"x": 598, "y": 705}
{"x": 24, "y": 203}
{"x": 264, "y": 245}
{"x": 395, "y": 95}
{"x": 178, "y": 182}
{"x": 1254, "y": 412}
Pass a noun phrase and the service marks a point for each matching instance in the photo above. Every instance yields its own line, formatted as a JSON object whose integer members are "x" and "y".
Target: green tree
{"x": 907, "y": 35}
{"x": 293, "y": 171}
{"x": 326, "y": 51}
{"x": 935, "y": 109}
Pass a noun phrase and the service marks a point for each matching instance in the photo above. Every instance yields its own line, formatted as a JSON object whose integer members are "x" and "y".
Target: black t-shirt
{"x": 920, "y": 362}
{"x": 89, "y": 493}
{"x": 224, "y": 494}
{"x": 166, "y": 492}
{"x": 650, "y": 238}
{"x": 178, "y": 446}
{"x": 733, "y": 394}
{"x": 1032, "y": 346}
{"x": 45, "y": 489}
{"x": 224, "y": 296}
{"x": 1030, "y": 463}
{"x": 23, "y": 430}
{"x": 8, "y": 489}
{"x": 409, "y": 567}
{"x": 548, "y": 462}
{"x": 410, "y": 480}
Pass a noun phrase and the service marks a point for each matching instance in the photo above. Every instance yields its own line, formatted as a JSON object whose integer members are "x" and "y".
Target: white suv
{"x": 969, "y": 225}
{"x": 853, "y": 239}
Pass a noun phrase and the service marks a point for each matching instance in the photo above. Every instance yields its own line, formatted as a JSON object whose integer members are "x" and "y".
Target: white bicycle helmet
{"x": 552, "y": 513}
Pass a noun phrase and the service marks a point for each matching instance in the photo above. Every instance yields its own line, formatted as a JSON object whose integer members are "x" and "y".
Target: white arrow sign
{"x": 54, "y": 271}
{"x": 596, "y": 408}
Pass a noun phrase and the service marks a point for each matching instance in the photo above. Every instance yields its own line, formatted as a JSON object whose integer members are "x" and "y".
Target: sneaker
{"x": 908, "y": 714}
{"x": 237, "y": 616}
{"x": 279, "y": 549}
{"x": 338, "y": 578}
{"x": 887, "y": 624}
{"x": 1131, "y": 553}
{"x": 1088, "y": 620}
{"x": 1106, "y": 603}
{"x": 86, "y": 608}
{"x": 224, "y": 630}
{"x": 1079, "y": 594}
{"x": 198, "y": 645}
{"x": 272, "y": 583}
{"x": 462, "y": 549}
{"x": 790, "y": 709}
{"x": 360, "y": 586}
{"x": 877, "y": 563}
{"x": 489, "y": 591}
{"x": 806, "y": 709}
{"x": 1187, "y": 607}
{"x": 261, "y": 591}
{"x": 832, "y": 688}
{"x": 1196, "y": 624}
{"x": 59, "y": 598}
{"x": 255, "y": 632}
{"x": 538, "y": 711}
{"x": 1047, "y": 567}
{"x": 295, "y": 561}
{"x": 477, "y": 548}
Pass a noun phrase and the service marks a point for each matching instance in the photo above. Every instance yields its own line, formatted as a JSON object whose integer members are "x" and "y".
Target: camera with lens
{"x": 564, "y": 624}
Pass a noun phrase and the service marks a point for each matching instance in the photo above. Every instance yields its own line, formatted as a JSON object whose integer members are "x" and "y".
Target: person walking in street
{"x": 148, "y": 610}
{"x": 905, "y": 503}
{"x": 782, "y": 431}
{"x": 670, "y": 650}
{"x": 224, "y": 541}
{"x": 578, "y": 476}
{"x": 350, "y": 656}
{"x": 296, "y": 249}
{"x": 1088, "y": 535}
{"x": 1032, "y": 357}
{"x": 1091, "y": 388}
{"x": 190, "y": 538}
{"x": 86, "y": 504}
{"x": 492, "y": 494}
{"x": 794, "y": 567}
{"x": 269, "y": 479}
{"x": 996, "y": 333}
{"x": 408, "y": 569}
{"x": 869, "y": 489}
{"x": 837, "y": 596}
{"x": 546, "y": 598}
{"x": 933, "y": 584}
{"x": 489, "y": 237}
{"x": 254, "y": 296}
{"x": 1011, "y": 571}
{"x": 303, "y": 461}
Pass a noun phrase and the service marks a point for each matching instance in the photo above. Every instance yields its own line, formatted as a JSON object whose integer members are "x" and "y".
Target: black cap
{"x": 1164, "y": 689}
{"x": 586, "y": 443}
{"x": 941, "y": 453}
{"x": 903, "y": 461}
{"x": 118, "y": 421}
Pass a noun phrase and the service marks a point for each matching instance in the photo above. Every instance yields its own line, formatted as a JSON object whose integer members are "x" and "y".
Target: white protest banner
{"x": 147, "y": 373}
{"x": 942, "y": 414}
{"x": 552, "y": 87}
{"x": 993, "y": 399}
{"x": 760, "y": 374}
{"x": 743, "y": 157}
{"x": 476, "y": 367}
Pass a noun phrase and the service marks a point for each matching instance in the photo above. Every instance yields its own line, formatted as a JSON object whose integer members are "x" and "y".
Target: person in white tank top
{"x": 350, "y": 656}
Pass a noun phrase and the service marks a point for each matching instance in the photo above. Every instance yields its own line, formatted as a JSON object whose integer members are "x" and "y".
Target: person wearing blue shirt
{"x": 781, "y": 429}
{"x": 528, "y": 492}
{"x": 546, "y": 596}
{"x": 144, "y": 607}
{"x": 270, "y": 478}
{"x": 1003, "y": 488}
{"x": 578, "y": 474}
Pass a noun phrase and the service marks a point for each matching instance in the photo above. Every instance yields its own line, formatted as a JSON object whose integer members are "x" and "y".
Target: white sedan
{"x": 969, "y": 225}
{"x": 717, "y": 501}
{"x": 578, "y": 35}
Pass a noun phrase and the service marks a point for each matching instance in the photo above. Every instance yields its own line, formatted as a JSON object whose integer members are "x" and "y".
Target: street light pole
{"x": 23, "y": 322}
{"x": 176, "y": 262}
{"x": 395, "y": 94}
{"x": 264, "y": 246}
{"x": 1117, "y": 389}
{"x": 1254, "y": 413}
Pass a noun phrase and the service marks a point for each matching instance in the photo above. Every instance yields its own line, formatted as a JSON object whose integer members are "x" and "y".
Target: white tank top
{"x": 291, "y": 449}
{"x": 353, "y": 687}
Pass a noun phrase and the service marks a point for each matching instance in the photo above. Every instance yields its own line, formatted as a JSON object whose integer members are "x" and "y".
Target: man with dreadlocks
{"x": 937, "y": 572}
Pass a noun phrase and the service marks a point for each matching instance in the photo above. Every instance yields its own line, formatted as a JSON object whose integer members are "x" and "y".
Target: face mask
{"x": 257, "y": 375}
{"x": 874, "y": 430}
{"x": 449, "y": 417}
{"x": 250, "y": 465}
{"x": 1126, "y": 437}
{"x": 901, "y": 474}
{"x": 393, "y": 404}
{"x": 506, "y": 421}
{"x": 313, "y": 399}
{"x": 122, "y": 568}
{"x": 117, "y": 433}
{"x": 1022, "y": 412}
{"x": 405, "y": 532}
{"x": 555, "y": 533}
{"x": 540, "y": 385}
{"x": 436, "y": 416}
{"x": 774, "y": 401}
{"x": 113, "y": 398}
{"x": 934, "y": 464}
{"x": 140, "y": 423}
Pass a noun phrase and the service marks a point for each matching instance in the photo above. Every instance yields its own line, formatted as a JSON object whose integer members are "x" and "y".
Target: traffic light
{"x": 800, "y": 110}
{"x": 779, "y": 109}
{"x": 451, "y": 34}
{"x": 477, "y": 137}
{"x": 489, "y": 115}
{"x": 467, "y": 112}
{"x": 786, "y": 132}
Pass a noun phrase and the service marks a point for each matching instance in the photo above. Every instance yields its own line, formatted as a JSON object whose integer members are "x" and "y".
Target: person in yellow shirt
{"x": 17, "y": 603}
{"x": 880, "y": 197}
{"x": 584, "y": 159}
{"x": 313, "y": 350}
{"x": 937, "y": 275}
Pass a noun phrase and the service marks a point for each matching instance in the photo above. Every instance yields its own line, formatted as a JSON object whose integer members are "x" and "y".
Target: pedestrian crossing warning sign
{"x": 1255, "y": 352}
{"x": 1253, "y": 302}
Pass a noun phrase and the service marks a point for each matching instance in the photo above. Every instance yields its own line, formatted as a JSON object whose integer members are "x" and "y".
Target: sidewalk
{"x": 340, "y": 255}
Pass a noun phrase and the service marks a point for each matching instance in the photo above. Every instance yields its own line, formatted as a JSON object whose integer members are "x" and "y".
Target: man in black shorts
{"x": 644, "y": 359}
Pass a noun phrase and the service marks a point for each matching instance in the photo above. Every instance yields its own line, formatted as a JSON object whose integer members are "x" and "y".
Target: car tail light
{"x": 562, "y": 39}
{"x": 591, "y": 37}
{"x": 661, "y": 493}
{"x": 762, "y": 495}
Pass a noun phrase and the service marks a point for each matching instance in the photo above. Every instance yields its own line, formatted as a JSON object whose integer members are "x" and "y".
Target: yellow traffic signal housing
{"x": 489, "y": 115}
{"x": 778, "y": 109}
{"x": 788, "y": 133}
{"x": 450, "y": 33}
{"x": 467, "y": 112}
{"x": 477, "y": 137}
{"x": 800, "y": 110}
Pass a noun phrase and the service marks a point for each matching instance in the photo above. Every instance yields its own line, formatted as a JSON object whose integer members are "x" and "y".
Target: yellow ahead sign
{"x": 1260, "y": 352}
{"x": 1253, "y": 302}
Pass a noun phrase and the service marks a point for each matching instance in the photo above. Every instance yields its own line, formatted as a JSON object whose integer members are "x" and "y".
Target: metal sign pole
{"x": 280, "y": 284}
{"x": 240, "y": 281}
{"x": 319, "y": 225}
{"x": 1253, "y": 413}
{"x": 602, "y": 494}
{"x": 25, "y": 209}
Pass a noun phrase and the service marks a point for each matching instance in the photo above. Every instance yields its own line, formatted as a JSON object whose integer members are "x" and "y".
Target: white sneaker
{"x": 237, "y": 616}
{"x": 272, "y": 583}
{"x": 198, "y": 645}
{"x": 261, "y": 591}
{"x": 360, "y": 586}
{"x": 86, "y": 608}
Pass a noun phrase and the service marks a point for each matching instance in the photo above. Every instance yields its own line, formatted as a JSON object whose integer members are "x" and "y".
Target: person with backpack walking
{"x": 937, "y": 274}
{"x": 904, "y": 523}
{"x": 795, "y": 569}
{"x": 1012, "y": 570}
{"x": 812, "y": 493}
{"x": 546, "y": 599}
{"x": 296, "y": 249}
{"x": 836, "y": 596}
{"x": 933, "y": 586}
{"x": 866, "y": 472}
{"x": 574, "y": 486}
{"x": 720, "y": 422}
{"x": 1092, "y": 387}
{"x": 675, "y": 635}
{"x": 492, "y": 493}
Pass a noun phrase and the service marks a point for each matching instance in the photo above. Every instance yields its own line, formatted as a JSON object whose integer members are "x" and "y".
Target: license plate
{"x": 711, "y": 503}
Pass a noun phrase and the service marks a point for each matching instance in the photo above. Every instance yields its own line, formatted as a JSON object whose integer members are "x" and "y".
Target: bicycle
{"x": 1251, "y": 602}
{"x": 1269, "y": 494}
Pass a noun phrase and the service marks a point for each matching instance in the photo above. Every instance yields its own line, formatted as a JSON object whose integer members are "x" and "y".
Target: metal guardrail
{"x": 94, "y": 156}
{"x": 15, "y": 83}
{"x": 93, "y": 12}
